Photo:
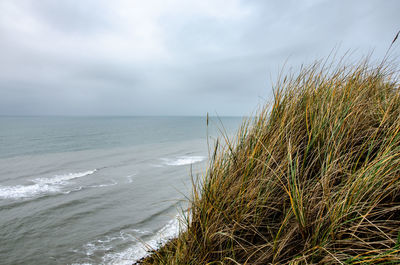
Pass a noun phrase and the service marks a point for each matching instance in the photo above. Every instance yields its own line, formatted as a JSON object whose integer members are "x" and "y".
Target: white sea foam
{"x": 42, "y": 186}
{"x": 62, "y": 179}
{"x": 140, "y": 250}
{"x": 26, "y": 191}
{"x": 129, "y": 178}
{"x": 73, "y": 190}
{"x": 183, "y": 160}
{"x": 143, "y": 232}
{"x": 134, "y": 253}
{"x": 107, "y": 243}
{"x": 104, "y": 185}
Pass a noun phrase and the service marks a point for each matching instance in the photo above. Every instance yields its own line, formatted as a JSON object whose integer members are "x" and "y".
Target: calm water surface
{"x": 94, "y": 190}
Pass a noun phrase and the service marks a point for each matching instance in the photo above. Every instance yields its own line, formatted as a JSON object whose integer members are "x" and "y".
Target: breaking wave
{"x": 42, "y": 186}
{"x": 140, "y": 250}
{"x": 183, "y": 160}
{"x": 136, "y": 249}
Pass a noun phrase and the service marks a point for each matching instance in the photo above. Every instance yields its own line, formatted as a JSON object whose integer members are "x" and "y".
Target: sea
{"x": 98, "y": 190}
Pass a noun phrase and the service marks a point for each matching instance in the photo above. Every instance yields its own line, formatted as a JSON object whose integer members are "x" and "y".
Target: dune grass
{"x": 312, "y": 179}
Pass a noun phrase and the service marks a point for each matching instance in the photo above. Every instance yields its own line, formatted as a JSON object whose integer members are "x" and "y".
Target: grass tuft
{"x": 312, "y": 179}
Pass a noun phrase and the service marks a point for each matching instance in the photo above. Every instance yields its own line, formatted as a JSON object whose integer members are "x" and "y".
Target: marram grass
{"x": 312, "y": 179}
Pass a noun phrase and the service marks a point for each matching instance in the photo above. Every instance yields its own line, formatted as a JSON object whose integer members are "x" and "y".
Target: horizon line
{"x": 118, "y": 116}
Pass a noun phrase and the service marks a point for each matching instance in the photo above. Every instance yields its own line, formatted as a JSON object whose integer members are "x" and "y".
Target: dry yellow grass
{"x": 312, "y": 179}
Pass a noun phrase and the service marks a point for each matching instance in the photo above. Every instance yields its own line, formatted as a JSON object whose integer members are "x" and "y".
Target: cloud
{"x": 73, "y": 16}
{"x": 156, "y": 57}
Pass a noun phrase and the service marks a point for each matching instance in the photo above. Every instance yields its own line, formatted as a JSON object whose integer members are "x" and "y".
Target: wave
{"x": 62, "y": 179}
{"x": 42, "y": 186}
{"x": 107, "y": 244}
{"x": 22, "y": 191}
{"x": 183, "y": 160}
{"x": 103, "y": 247}
{"x": 129, "y": 178}
{"x": 140, "y": 250}
{"x": 104, "y": 185}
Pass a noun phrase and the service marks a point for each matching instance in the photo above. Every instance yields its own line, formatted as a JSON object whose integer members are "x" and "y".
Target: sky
{"x": 172, "y": 57}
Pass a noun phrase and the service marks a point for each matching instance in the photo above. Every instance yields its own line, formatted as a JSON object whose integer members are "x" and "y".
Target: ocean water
{"x": 96, "y": 190}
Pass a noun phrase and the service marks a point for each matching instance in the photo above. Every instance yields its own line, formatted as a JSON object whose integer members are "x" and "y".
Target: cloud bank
{"x": 155, "y": 57}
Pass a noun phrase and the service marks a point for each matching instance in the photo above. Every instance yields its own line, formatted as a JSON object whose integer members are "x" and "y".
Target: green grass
{"x": 312, "y": 179}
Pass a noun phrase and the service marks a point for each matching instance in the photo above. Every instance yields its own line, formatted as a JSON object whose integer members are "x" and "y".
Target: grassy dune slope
{"x": 314, "y": 178}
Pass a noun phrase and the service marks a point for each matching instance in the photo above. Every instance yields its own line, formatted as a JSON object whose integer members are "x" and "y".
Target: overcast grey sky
{"x": 171, "y": 57}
